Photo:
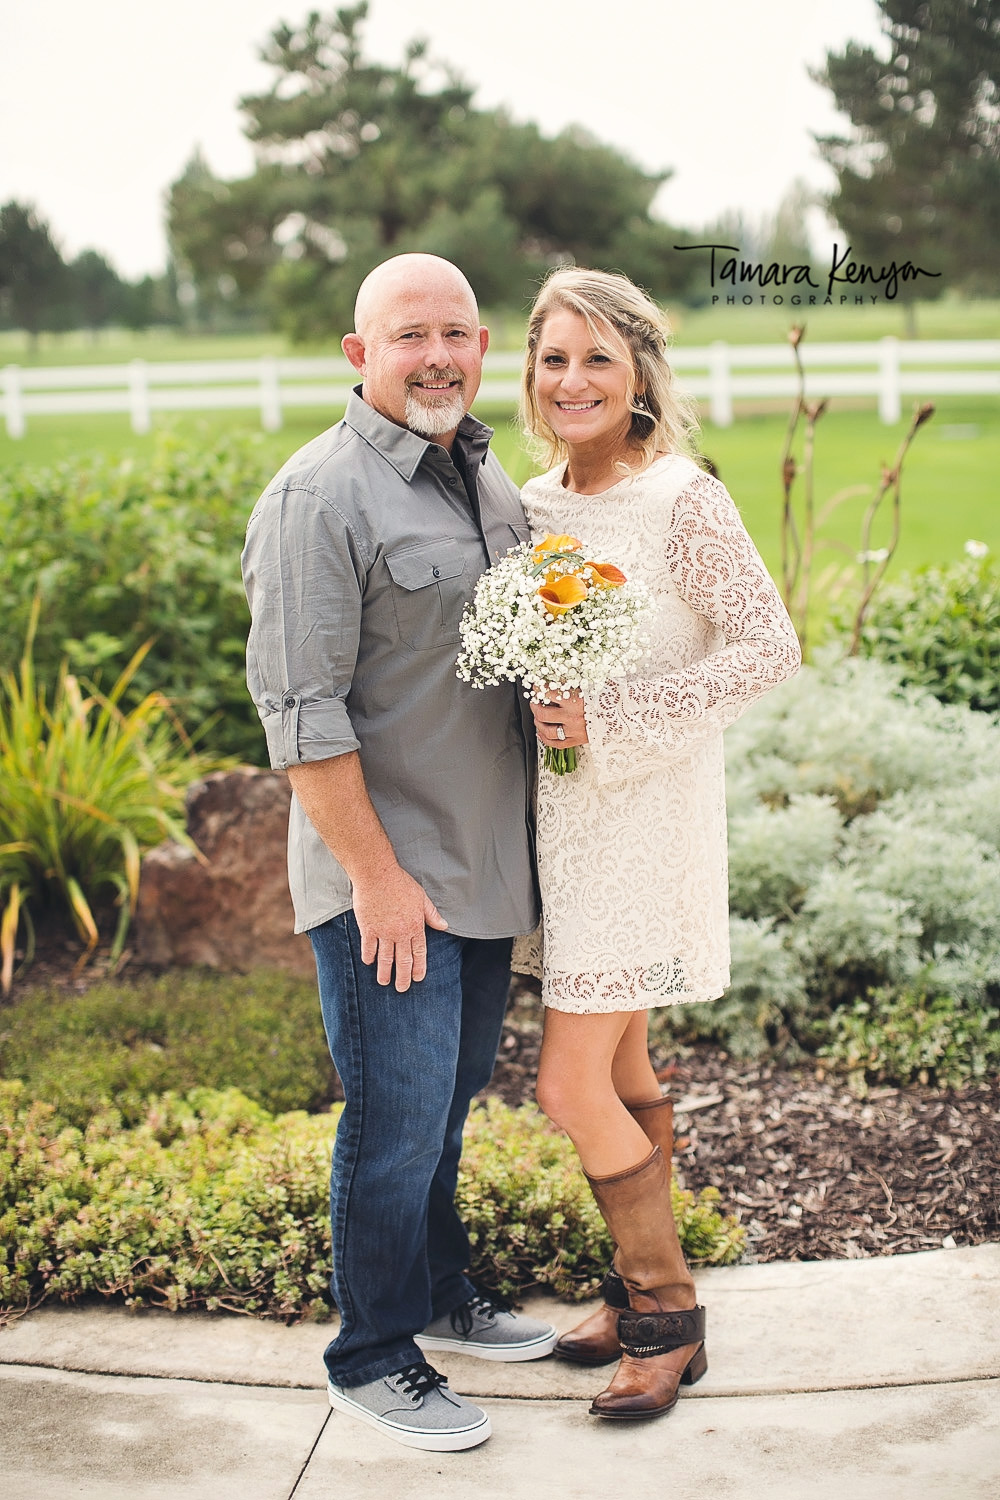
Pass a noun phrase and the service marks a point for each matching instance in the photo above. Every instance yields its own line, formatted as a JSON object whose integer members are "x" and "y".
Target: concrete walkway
{"x": 834, "y": 1380}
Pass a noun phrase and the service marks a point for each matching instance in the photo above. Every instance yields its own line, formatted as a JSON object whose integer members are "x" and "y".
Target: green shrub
{"x": 85, "y": 788}
{"x": 119, "y": 1043}
{"x": 211, "y": 1202}
{"x": 140, "y": 550}
{"x": 941, "y": 628}
{"x": 910, "y": 1035}
{"x": 864, "y": 821}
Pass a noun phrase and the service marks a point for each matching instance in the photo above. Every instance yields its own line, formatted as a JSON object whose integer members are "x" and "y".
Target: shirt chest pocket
{"x": 429, "y": 593}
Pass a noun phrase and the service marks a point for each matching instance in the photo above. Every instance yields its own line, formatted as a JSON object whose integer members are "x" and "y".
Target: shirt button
{"x": 452, "y": 478}
{"x": 289, "y": 702}
{"x": 437, "y": 572}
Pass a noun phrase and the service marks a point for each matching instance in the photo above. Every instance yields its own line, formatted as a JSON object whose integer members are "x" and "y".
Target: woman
{"x": 632, "y": 845}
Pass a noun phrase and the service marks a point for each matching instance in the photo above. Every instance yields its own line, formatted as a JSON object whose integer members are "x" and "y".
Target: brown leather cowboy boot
{"x": 662, "y": 1335}
{"x": 595, "y": 1340}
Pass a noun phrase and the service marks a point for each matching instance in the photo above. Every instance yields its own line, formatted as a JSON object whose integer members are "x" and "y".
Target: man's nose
{"x": 436, "y": 354}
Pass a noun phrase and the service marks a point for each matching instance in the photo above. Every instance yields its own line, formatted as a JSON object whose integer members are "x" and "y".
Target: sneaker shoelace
{"x": 481, "y": 1306}
{"x": 418, "y": 1380}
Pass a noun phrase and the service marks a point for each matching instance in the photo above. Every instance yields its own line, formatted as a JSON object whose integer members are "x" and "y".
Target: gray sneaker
{"x": 415, "y": 1407}
{"x": 486, "y": 1327}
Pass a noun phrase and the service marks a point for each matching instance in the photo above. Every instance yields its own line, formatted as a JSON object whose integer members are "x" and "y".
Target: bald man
{"x": 409, "y": 847}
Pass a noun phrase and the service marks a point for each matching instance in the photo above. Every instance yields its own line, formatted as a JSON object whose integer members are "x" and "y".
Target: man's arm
{"x": 392, "y": 909}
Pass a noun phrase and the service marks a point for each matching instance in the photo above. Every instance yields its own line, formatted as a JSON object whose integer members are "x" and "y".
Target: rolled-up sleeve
{"x": 304, "y": 575}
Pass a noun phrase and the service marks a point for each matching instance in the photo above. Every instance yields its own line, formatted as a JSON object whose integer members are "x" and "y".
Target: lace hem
{"x": 646, "y": 988}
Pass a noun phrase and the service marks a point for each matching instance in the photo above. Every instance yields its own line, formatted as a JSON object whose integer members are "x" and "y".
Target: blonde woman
{"x": 632, "y": 845}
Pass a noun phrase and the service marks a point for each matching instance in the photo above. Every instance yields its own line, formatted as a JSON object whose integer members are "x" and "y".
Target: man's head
{"x": 418, "y": 344}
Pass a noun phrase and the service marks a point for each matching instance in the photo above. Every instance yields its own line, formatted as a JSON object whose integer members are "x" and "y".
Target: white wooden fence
{"x": 719, "y": 373}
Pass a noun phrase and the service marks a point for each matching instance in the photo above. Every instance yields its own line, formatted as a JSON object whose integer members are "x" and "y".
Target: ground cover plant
{"x": 210, "y": 1201}
{"x": 122, "y": 1041}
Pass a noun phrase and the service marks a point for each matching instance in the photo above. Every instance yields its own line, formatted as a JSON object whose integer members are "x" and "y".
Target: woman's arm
{"x": 715, "y": 567}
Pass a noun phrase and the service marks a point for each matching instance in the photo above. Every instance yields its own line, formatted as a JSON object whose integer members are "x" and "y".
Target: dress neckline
{"x": 557, "y": 474}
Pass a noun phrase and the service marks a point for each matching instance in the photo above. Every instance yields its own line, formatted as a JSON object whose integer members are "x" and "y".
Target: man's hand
{"x": 393, "y": 915}
{"x": 393, "y": 910}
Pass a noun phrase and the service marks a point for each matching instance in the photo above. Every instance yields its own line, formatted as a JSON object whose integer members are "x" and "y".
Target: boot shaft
{"x": 637, "y": 1208}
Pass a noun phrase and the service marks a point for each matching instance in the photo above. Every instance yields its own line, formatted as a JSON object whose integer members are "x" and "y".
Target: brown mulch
{"x": 813, "y": 1172}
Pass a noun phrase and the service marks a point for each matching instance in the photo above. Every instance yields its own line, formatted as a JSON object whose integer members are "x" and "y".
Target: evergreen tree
{"x": 918, "y": 179}
{"x": 357, "y": 161}
{"x": 32, "y": 271}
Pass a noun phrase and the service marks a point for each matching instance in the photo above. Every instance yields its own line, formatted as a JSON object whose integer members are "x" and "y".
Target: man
{"x": 409, "y": 844}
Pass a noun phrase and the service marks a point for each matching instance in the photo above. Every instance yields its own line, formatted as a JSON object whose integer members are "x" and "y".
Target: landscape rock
{"x": 225, "y": 904}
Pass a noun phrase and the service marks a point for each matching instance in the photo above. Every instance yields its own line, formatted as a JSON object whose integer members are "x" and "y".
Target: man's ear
{"x": 354, "y": 347}
{"x": 484, "y": 340}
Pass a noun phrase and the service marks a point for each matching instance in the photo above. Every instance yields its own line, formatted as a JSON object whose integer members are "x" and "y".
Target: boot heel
{"x": 695, "y": 1368}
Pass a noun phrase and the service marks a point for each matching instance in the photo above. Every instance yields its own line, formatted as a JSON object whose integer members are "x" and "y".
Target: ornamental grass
{"x": 85, "y": 787}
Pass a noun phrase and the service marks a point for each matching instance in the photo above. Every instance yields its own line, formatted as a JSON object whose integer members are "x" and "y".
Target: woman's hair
{"x": 626, "y": 322}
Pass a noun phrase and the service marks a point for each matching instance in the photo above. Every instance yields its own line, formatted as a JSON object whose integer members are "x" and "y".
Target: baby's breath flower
{"x": 509, "y": 635}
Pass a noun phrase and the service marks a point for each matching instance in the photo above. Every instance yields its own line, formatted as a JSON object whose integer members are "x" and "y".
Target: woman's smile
{"x": 582, "y": 385}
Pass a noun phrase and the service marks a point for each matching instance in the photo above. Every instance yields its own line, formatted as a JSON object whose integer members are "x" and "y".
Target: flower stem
{"x": 559, "y": 761}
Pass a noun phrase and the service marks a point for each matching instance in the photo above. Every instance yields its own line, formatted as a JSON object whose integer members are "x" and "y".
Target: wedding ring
{"x": 560, "y": 732}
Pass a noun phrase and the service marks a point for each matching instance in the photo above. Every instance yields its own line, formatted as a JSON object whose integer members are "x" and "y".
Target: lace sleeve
{"x": 712, "y": 565}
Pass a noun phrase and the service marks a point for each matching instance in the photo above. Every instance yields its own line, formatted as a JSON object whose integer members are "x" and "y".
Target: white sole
{"x": 440, "y": 1440}
{"x": 506, "y": 1354}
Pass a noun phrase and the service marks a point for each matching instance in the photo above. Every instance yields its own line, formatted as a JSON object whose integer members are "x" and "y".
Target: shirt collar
{"x": 404, "y": 449}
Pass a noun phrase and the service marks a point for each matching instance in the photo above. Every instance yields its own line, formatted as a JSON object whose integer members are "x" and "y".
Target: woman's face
{"x": 581, "y": 386}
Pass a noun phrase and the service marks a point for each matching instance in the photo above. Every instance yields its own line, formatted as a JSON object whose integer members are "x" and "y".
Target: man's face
{"x": 421, "y": 357}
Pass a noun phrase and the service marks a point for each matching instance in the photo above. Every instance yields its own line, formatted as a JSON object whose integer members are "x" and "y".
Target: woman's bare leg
{"x": 576, "y": 1088}
{"x": 631, "y": 1070}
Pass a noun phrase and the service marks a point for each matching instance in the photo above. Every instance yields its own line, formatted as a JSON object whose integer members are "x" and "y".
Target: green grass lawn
{"x": 950, "y": 490}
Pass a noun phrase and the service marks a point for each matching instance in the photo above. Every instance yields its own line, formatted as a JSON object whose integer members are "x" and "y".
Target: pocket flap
{"x": 416, "y": 567}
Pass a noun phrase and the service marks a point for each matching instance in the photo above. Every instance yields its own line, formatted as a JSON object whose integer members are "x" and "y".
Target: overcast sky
{"x": 102, "y": 103}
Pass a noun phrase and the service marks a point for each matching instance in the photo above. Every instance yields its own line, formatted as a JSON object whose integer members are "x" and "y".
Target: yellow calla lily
{"x": 606, "y": 575}
{"x": 563, "y": 593}
{"x": 553, "y": 543}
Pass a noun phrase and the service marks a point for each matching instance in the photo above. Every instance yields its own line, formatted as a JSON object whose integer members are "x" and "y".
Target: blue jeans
{"x": 409, "y": 1064}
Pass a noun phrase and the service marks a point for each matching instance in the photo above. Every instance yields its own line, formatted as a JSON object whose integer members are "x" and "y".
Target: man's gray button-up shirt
{"x": 360, "y": 558}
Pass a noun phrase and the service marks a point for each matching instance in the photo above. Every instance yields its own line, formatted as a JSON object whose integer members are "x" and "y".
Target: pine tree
{"x": 918, "y": 178}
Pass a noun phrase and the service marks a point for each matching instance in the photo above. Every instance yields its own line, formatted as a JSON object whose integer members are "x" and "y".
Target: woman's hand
{"x": 559, "y": 713}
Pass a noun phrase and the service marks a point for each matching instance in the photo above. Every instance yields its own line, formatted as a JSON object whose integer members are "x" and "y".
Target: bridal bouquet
{"x": 554, "y": 620}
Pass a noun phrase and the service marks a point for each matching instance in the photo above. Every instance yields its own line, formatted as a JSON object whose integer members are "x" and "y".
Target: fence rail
{"x": 886, "y": 369}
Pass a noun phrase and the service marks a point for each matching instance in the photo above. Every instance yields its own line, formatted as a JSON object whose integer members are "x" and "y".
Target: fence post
{"x": 138, "y": 395}
{"x": 889, "y": 402}
{"x": 270, "y": 394}
{"x": 720, "y": 386}
{"x": 13, "y": 405}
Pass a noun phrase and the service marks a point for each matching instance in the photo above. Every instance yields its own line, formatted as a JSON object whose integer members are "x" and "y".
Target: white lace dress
{"x": 632, "y": 845}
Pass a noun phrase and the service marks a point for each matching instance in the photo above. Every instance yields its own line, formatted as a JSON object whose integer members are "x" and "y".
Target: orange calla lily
{"x": 606, "y": 575}
{"x": 563, "y": 593}
{"x": 553, "y": 543}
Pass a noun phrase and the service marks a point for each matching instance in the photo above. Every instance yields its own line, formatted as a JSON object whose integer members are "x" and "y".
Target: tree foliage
{"x": 40, "y": 292}
{"x": 918, "y": 178}
{"x": 357, "y": 161}
{"x": 32, "y": 271}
